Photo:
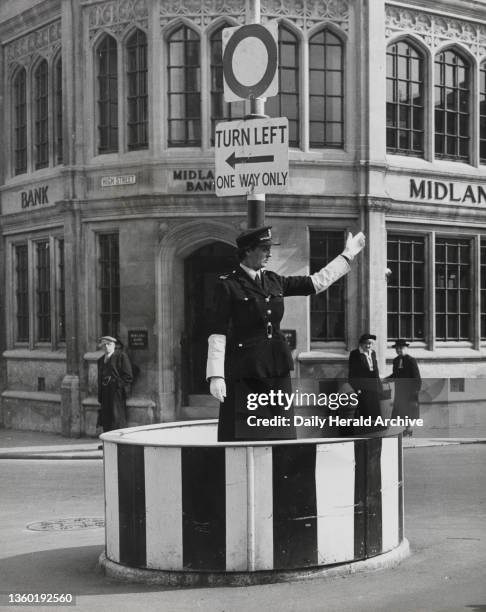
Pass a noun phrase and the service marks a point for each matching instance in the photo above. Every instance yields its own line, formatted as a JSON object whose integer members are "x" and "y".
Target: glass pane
{"x": 334, "y": 83}
{"x": 333, "y": 58}
{"x": 333, "y": 109}
{"x": 440, "y": 300}
{"x": 393, "y": 327}
{"x": 452, "y": 301}
{"x": 452, "y": 327}
{"x": 405, "y": 274}
{"x": 405, "y": 301}
{"x": 392, "y": 249}
{"x": 418, "y": 275}
{"x": 316, "y": 82}
{"x": 288, "y": 81}
{"x": 334, "y": 133}
{"x": 440, "y": 329}
{"x": 418, "y": 299}
{"x": 418, "y": 321}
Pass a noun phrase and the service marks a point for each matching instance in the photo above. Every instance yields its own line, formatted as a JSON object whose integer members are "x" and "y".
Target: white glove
{"x": 354, "y": 244}
{"x": 217, "y": 388}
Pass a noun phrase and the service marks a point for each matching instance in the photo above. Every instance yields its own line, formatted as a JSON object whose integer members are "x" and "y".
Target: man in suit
{"x": 247, "y": 353}
{"x": 114, "y": 375}
{"x": 364, "y": 377}
{"x": 407, "y": 379}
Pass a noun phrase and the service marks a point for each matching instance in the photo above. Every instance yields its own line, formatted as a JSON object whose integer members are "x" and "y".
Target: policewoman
{"x": 247, "y": 353}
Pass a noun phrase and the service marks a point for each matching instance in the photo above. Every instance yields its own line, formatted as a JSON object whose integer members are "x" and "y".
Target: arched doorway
{"x": 201, "y": 271}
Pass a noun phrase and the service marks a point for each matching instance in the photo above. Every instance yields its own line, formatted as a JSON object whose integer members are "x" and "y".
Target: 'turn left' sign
{"x": 252, "y": 156}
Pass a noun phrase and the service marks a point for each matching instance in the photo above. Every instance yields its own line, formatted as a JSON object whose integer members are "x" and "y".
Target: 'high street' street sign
{"x": 252, "y": 156}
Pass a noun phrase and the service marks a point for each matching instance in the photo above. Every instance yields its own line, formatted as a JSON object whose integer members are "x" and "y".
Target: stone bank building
{"x": 109, "y": 221}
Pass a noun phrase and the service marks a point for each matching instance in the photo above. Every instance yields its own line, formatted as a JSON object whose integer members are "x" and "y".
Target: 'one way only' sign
{"x": 252, "y": 156}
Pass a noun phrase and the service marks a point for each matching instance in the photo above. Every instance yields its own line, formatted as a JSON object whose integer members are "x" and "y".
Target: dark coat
{"x": 366, "y": 383}
{"x": 114, "y": 379}
{"x": 407, "y": 386}
{"x": 257, "y": 357}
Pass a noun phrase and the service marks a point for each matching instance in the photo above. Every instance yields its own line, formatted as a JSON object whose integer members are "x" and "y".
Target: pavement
{"x": 20, "y": 444}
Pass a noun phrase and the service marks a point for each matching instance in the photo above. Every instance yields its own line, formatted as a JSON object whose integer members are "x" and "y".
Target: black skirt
{"x": 234, "y": 412}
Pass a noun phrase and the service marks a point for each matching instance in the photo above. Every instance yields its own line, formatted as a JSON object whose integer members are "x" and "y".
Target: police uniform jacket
{"x": 257, "y": 358}
{"x": 249, "y": 316}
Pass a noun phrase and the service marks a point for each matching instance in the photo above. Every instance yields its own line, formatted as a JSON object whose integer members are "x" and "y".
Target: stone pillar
{"x": 70, "y": 395}
{"x": 3, "y": 319}
{"x": 376, "y": 298}
{"x": 71, "y": 416}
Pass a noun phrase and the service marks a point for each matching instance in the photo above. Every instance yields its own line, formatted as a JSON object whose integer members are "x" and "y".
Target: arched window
{"x": 20, "y": 122}
{"x": 184, "y": 91}
{"x": 452, "y": 95}
{"x": 286, "y": 103}
{"x": 482, "y": 113}
{"x": 107, "y": 57}
{"x": 58, "y": 111}
{"x": 404, "y": 100}
{"x": 41, "y": 123}
{"x": 137, "y": 94}
{"x": 220, "y": 110}
{"x": 326, "y": 84}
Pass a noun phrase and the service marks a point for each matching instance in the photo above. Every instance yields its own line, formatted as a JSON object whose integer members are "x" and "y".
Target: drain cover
{"x": 68, "y": 524}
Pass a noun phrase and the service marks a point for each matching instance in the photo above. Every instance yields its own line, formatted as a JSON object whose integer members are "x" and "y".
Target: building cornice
{"x": 30, "y": 19}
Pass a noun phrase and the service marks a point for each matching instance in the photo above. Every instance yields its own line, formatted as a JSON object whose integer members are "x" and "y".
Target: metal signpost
{"x": 251, "y": 154}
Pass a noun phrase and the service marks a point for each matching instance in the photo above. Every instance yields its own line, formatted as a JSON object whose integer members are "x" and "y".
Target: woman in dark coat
{"x": 364, "y": 377}
{"x": 407, "y": 384}
{"x": 114, "y": 376}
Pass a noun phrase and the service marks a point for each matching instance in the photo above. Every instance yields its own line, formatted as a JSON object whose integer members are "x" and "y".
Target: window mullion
{"x": 31, "y": 293}
{"x": 430, "y": 298}
{"x": 52, "y": 290}
{"x": 475, "y": 284}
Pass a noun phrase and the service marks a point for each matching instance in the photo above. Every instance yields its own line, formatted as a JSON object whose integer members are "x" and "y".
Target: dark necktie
{"x": 258, "y": 280}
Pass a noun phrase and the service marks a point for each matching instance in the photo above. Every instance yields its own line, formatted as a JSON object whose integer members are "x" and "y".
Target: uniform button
{"x": 240, "y": 345}
{"x": 267, "y": 299}
{"x": 246, "y": 299}
{"x": 269, "y": 312}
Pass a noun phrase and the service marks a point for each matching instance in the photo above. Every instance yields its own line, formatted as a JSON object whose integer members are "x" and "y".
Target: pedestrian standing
{"x": 364, "y": 377}
{"x": 408, "y": 381}
{"x": 114, "y": 379}
{"x": 247, "y": 353}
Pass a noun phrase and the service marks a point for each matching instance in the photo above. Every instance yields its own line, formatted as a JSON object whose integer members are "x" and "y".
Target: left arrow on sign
{"x": 257, "y": 159}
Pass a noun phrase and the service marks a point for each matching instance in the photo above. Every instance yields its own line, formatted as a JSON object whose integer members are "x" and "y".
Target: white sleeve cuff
{"x": 216, "y": 351}
{"x": 330, "y": 274}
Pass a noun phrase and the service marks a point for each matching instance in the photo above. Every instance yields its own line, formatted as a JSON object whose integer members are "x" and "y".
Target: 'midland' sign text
{"x": 195, "y": 180}
{"x": 450, "y": 192}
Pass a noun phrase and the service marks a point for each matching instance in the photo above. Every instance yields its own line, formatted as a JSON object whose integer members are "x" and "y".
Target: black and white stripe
{"x": 247, "y": 508}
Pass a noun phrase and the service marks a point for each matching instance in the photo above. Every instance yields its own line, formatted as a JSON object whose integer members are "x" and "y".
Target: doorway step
{"x": 200, "y": 406}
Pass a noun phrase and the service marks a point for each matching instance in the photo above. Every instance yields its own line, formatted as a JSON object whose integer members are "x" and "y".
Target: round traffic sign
{"x": 254, "y": 30}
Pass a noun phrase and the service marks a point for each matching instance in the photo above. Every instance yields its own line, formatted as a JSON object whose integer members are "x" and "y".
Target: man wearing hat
{"x": 247, "y": 353}
{"x": 114, "y": 376}
{"x": 407, "y": 379}
{"x": 364, "y": 377}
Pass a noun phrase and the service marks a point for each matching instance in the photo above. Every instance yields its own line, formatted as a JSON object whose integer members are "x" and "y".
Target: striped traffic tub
{"x": 180, "y": 503}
